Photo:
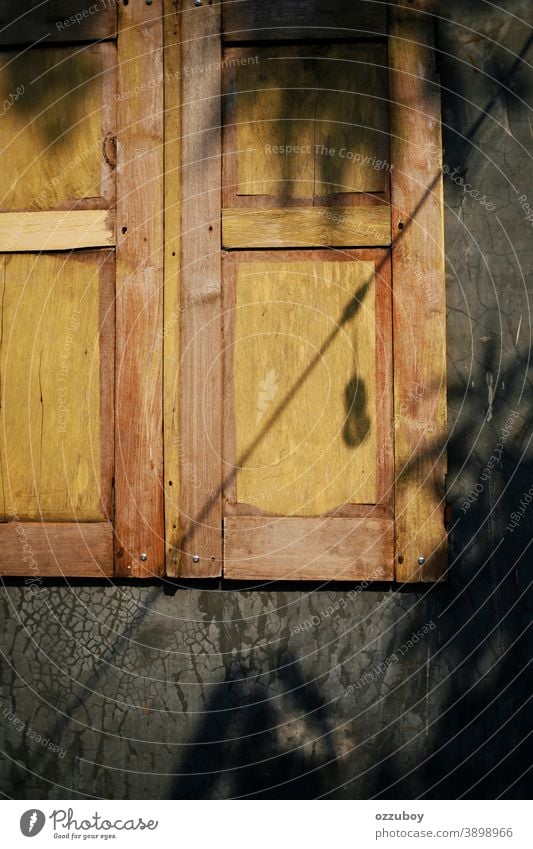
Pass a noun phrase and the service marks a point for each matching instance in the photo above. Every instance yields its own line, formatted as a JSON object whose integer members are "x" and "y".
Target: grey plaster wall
{"x": 223, "y": 691}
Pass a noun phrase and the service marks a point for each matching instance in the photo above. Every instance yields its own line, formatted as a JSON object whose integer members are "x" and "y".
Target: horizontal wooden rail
{"x": 56, "y": 231}
{"x": 50, "y": 549}
{"x": 307, "y": 227}
{"x": 291, "y": 549}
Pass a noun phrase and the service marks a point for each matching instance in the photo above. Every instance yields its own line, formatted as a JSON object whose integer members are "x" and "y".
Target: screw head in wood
{"x": 197, "y": 2}
{"x": 421, "y": 560}
{"x": 144, "y": 556}
{"x": 196, "y": 558}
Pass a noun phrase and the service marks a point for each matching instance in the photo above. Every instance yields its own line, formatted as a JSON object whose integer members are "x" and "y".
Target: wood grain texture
{"x": 305, "y": 436}
{"x": 264, "y": 549}
{"x": 306, "y": 227}
{"x": 256, "y": 20}
{"x": 30, "y": 21}
{"x": 171, "y": 334}
{"x": 139, "y": 507}
{"x": 55, "y": 153}
{"x": 56, "y": 320}
{"x": 310, "y": 121}
{"x": 56, "y": 231}
{"x": 45, "y": 550}
{"x": 419, "y": 300}
{"x": 200, "y": 399}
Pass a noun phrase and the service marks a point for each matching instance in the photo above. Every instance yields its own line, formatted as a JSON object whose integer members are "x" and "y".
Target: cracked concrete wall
{"x": 217, "y": 692}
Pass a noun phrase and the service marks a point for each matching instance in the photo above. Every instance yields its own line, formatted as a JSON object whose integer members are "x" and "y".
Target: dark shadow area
{"x": 276, "y": 717}
{"x": 240, "y": 733}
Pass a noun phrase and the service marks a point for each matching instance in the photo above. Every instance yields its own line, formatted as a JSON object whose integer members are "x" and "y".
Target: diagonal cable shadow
{"x": 348, "y": 313}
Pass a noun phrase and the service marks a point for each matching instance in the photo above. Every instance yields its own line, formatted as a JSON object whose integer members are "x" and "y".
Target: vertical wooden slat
{"x": 139, "y": 507}
{"x": 418, "y": 298}
{"x": 172, "y": 67}
{"x": 200, "y": 402}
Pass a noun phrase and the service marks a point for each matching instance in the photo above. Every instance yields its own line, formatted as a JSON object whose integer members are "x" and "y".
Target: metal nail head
{"x": 196, "y": 558}
{"x": 421, "y": 560}
{"x": 144, "y": 556}
{"x": 197, "y": 2}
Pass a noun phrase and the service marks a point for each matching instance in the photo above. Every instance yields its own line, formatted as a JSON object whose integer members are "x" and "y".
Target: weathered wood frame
{"x": 42, "y": 549}
{"x": 194, "y": 419}
{"x": 419, "y": 318}
{"x": 162, "y": 345}
{"x": 139, "y": 503}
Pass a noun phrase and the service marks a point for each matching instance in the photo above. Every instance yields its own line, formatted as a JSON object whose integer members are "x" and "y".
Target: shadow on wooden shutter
{"x": 331, "y": 215}
{"x": 73, "y": 314}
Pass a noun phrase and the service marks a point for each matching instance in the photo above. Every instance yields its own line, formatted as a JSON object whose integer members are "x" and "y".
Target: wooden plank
{"x": 58, "y": 129}
{"x": 45, "y": 550}
{"x": 419, "y": 300}
{"x": 306, "y": 227}
{"x": 305, "y": 437}
{"x": 139, "y": 504}
{"x": 30, "y": 21}
{"x": 309, "y": 121}
{"x": 171, "y": 333}
{"x": 55, "y": 373}
{"x": 200, "y": 401}
{"x": 256, "y": 20}
{"x": 271, "y": 549}
{"x": 56, "y": 231}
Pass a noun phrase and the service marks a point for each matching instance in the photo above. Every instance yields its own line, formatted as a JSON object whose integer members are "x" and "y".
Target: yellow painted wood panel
{"x": 311, "y": 120}
{"x": 54, "y": 131}
{"x": 309, "y": 444}
{"x": 306, "y": 227}
{"x": 50, "y": 438}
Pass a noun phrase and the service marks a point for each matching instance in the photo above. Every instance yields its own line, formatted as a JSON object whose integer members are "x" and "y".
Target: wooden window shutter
{"x": 223, "y": 225}
{"x": 81, "y": 241}
{"x": 308, "y": 418}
